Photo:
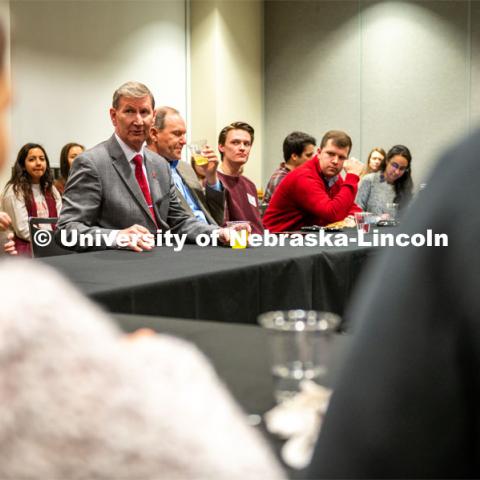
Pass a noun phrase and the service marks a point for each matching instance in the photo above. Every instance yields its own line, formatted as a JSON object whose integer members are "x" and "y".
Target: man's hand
{"x": 9, "y": 245}
{"x": 352, "y": 165}
{"x": 136, "y": 238}
{"x": 210, "y": 168}
{"x": 224, "y": 233}
{"x": 5, "y": 221}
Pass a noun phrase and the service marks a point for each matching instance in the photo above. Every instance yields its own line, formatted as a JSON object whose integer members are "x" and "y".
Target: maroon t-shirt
{"x": 241, "y": 202}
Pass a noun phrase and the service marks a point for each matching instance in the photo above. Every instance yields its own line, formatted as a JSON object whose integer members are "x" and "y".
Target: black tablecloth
{"x": 217, "y": 283}
{"x": 238, "y": 352}
{"x": 240, "y": 356}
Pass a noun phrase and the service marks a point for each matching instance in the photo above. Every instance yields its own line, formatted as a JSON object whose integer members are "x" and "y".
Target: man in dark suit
{"x": 167, "y": 138}
{"x": 121, "y": 189}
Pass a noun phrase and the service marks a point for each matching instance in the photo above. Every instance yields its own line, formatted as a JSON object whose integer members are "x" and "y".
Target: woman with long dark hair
{"x": 30, "y": 193}
{"x": 391, "y": 184}
{"x": 69, "y": 153}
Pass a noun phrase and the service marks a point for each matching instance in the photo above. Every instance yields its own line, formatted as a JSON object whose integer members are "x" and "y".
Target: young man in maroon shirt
{"x": 234, "y": 143}
{"x": 315, "y": 193}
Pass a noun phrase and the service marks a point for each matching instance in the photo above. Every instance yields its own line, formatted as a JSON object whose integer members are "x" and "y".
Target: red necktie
{"x": 142, "y": 182}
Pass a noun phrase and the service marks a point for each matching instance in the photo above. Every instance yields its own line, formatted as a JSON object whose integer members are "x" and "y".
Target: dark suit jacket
{"x": 102, "y": 194}
{"x": 211, "y": 201}
{"x": 406, "y": 404}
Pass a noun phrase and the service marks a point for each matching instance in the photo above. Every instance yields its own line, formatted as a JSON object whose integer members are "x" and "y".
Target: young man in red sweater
{"x": 315, "y": 193}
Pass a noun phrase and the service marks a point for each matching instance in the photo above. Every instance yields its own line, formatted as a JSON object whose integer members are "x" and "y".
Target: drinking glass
{"x": 299, "y": 343}
{"x": 363, "y": 221}
{"x": 196, "y": 150}
{"x": 239, "y": 231}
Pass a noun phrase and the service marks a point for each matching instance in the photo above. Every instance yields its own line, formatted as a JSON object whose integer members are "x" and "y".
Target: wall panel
{"x": 414, "y": 77}
{"x": 312, "y": 63}
{"x": 385, "y": 71}
{"x": 475, "y": 64}
{"x": 68, "y": 58}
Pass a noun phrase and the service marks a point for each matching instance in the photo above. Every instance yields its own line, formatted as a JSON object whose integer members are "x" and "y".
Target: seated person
{"x": 315, "y": 193}
{"x": 30, "y": 193}
{"x": 124, "y": 190}
{"x": 167, "y": 138}
{"x": 298, "y": 147}
{"x": 69, "y": 153}
{"x": 234, "y": 143}
{"x": 391, "y": 184}
{"x": 375, "y": 159}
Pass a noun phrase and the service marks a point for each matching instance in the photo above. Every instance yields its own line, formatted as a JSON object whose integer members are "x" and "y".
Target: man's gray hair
{"x": 131, "y": 90}
{"x": 161, "y": 113}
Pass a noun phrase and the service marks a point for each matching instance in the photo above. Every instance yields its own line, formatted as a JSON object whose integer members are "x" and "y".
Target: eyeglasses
{"x": 396, "y": 166}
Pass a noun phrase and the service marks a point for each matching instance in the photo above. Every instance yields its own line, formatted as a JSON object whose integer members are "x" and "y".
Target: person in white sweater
{"x": 79, "y": 401}
{"x": 30, "y": 193}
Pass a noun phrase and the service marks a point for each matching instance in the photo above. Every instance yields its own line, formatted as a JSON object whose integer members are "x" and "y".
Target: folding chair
{"x": 43, "y": 241}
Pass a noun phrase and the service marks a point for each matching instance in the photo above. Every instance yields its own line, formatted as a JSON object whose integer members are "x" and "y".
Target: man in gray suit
{"x": 119, "y": 189}
{"x": 167, "y": 138}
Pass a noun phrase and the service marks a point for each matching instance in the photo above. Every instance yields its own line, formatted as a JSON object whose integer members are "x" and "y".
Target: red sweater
{"x": 303, "y": 199}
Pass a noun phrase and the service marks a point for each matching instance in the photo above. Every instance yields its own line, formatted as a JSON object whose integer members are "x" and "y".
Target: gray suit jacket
{"x": 102, "y": 194}
{"x": 210, "y": 201}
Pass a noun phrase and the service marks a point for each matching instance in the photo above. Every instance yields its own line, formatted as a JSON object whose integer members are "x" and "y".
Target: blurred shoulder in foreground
{"x": 82, "y": 403}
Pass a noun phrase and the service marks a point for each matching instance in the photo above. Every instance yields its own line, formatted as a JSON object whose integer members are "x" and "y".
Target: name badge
{"x": 252, "y": 200}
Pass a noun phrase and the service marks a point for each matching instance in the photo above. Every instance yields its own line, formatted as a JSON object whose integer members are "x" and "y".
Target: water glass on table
{"x": 391, "y": 212}
{"x": 363, "y": 221}
{"x": 299, "y": 343}
{"x": 239, "y": 232}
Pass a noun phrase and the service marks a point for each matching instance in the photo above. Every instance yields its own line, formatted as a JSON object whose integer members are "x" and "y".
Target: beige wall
{"x": 473, "y": 62}
{"x": 67, "y": 58}
{"x": 226, "y": 46}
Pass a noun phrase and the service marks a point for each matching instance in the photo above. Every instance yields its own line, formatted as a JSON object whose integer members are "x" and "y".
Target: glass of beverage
{"x": 391, "y": 213}
{"x": 300, "y": 343}
{"x": 196, "y": 150}
{"x": 239, "y": 231}
{"x": 363, "y": 220}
